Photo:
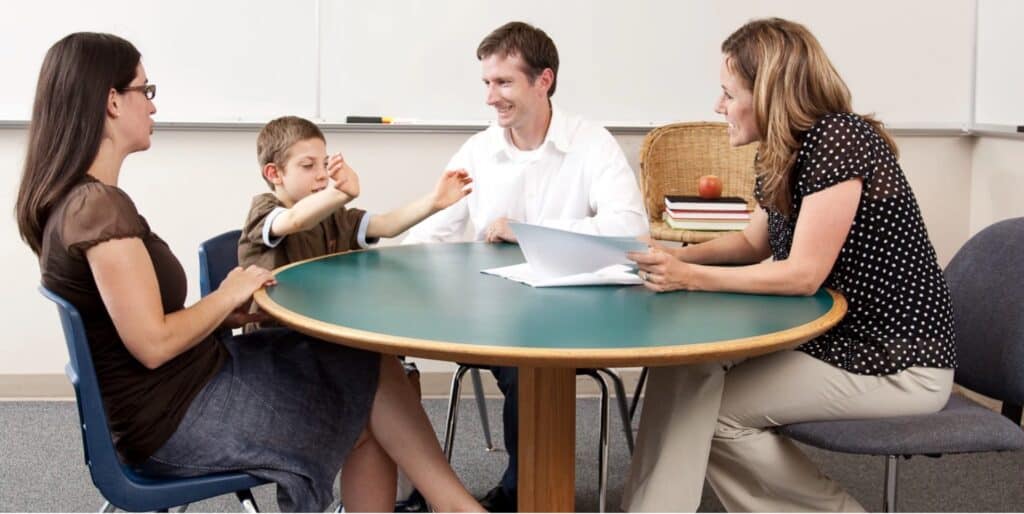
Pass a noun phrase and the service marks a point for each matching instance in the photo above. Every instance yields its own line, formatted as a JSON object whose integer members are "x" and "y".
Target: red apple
{"x": 709, "y": 187}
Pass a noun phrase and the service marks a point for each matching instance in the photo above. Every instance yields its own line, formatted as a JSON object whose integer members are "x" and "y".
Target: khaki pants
{"x": 716, "y": 420}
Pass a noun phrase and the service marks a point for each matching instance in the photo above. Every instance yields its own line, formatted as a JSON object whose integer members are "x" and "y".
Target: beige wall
{"x": 997, "y": 181}
{"x": 194, "y": 184}
{"x": 939, "y": 171}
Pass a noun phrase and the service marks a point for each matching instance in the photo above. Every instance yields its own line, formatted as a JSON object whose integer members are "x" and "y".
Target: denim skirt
{"x": 285, "y": 407}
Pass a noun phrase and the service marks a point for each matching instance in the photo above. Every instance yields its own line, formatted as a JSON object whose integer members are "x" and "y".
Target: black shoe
{"x": 499, "y": 499}
{"x": 414, "y": 503}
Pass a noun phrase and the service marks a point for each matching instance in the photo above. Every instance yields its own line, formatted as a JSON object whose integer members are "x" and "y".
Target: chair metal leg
{"x": 889, "y": 502}
{"x": 1015, "y": 413}
{"x": 107, "y": 507}
{"x": 248, "y": 502}
{"x": 453, "y": 409}
{"x": 620, "y": 398}
{"x": 636, "y": 393}
{"x": 481, "y": 406}
{"x": 602, "y": 459}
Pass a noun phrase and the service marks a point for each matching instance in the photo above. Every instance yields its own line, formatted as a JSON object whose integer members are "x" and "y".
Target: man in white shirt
{"x": 535, "y": 165}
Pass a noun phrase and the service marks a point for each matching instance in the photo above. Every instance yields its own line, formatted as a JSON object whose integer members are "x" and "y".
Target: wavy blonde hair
{"x": 794, "y": 84}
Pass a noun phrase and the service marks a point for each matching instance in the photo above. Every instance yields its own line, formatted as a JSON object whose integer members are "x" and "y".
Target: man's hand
{"x": 344, "y": 177}
{"x": 499, "y": 231}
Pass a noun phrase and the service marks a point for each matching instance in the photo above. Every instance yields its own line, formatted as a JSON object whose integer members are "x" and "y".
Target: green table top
{"x": 432, "y": 301}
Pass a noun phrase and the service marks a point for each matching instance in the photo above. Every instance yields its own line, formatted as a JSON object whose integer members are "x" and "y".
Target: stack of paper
{"x": 561, "y": 258}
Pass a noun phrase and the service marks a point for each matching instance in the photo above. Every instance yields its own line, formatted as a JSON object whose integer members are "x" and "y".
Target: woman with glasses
{"x": 180, "y": 400}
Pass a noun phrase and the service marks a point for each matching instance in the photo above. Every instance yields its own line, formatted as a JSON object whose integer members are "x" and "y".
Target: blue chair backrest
{"x": 217, "y": 257}
{"x": 108, "y": 474}
{"x": 986, "y": 281}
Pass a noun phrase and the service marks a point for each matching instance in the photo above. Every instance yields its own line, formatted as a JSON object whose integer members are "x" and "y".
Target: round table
{"x": 432, "y": 301}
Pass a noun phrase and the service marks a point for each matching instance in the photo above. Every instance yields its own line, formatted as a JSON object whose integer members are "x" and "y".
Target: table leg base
{"x": 547, "y": 439}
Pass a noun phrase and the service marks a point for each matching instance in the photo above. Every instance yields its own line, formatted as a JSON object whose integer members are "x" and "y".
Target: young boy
{"x": 305, "y": 215}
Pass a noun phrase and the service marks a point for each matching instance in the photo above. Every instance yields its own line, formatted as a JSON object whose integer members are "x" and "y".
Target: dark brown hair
{"x": 274, "y": 144}
{"x": 68, "y": 119}
{"x": 531, "y": 44}
{"x": 794, "y": 84}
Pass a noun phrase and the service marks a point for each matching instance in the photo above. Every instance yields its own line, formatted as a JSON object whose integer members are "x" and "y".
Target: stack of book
{"x": 696, "y": 213}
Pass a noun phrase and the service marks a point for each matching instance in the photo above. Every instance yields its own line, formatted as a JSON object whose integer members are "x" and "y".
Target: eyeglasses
{"x": 147, "y": 89}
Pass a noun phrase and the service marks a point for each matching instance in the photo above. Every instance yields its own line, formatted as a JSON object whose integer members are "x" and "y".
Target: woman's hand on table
{"x": 661, "y": 270}
{"x": 241, "y": 283}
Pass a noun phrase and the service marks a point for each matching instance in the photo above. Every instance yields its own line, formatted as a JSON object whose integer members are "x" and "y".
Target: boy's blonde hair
{"x": 275, "y": 141}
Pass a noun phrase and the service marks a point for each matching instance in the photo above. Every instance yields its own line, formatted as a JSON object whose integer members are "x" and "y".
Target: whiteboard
{"x": 999, "y": 97}
{"x": 638, "y": 62}
{"x": 641, "y": 62}
{"x": 223, "y": 60}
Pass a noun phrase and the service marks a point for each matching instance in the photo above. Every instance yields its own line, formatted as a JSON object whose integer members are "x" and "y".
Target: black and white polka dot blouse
{"x": 900, "y": 313}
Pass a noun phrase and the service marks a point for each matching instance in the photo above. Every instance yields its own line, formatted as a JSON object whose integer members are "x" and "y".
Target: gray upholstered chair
{"x": 986, "y": 279}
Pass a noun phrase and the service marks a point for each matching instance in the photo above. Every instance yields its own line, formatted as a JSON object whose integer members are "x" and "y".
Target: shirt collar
{"x": 557, "y": 136}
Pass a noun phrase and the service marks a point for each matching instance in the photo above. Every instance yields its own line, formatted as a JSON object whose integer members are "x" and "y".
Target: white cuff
{"x": 364, "y": 223}
{"x": 269, "y": 222}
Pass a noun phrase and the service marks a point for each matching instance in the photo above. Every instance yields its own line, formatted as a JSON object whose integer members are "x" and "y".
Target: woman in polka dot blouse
{"x": 836, "y": 211}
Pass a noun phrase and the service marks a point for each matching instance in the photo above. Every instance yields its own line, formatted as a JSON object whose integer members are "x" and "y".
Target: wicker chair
{"x": 672, "y": 160}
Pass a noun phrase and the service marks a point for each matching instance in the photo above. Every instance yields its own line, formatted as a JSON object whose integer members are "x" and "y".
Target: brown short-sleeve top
{"x": 143, "y": 406}
{"x": 338, "y": 232}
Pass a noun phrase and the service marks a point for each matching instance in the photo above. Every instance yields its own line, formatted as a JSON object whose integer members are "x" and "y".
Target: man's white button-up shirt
{"x": 578, "y": 179}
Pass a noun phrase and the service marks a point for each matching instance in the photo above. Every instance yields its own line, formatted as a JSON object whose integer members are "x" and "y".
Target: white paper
{"x": 557, "y": 253}
{"x": 561, "y": 258}
{"x": 524, "y": 273}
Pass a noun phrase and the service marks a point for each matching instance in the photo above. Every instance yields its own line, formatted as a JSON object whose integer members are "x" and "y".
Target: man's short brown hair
{"x": 275, "y": 141}
{"x": 531, "y": 44}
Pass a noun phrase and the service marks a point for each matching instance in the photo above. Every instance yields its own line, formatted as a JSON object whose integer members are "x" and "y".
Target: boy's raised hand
{"x": 452, "y": 187}
{"x": 344, "y": 177}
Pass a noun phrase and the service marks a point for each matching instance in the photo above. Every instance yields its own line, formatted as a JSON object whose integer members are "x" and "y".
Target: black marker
{"x": 368, "y": 119}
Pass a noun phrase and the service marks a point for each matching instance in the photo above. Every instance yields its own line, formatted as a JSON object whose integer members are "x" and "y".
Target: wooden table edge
{"x": 545, "y": 357}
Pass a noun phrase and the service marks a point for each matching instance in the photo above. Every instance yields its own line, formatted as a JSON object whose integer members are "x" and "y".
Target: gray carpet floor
{"x": 41, "y": 467}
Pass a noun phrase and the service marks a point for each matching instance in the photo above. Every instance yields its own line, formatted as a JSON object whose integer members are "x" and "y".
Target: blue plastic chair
{"x": 217, "y": 257}
{"x": 120, "y": 485}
